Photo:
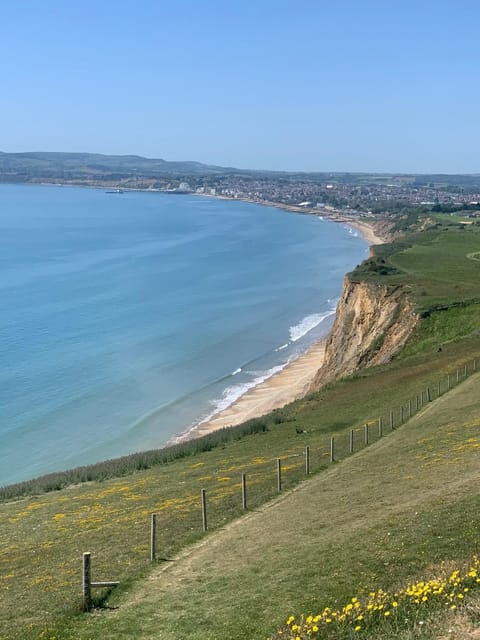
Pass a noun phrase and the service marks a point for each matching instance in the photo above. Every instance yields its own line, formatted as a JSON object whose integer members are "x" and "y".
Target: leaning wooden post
{"x": 244, "y": 491}
{"x": 366, "y": 433}
{"x": 351, "y": 441}
{"x": 307, "y": 460}
{"x": 86, "y": 581}
{"x": 332, "y": 449}
{"x": 153, "y": 536}
{"x": 380, "y": 427}
{"x": 204, "y": 509}
{"x": 279, "y": 474}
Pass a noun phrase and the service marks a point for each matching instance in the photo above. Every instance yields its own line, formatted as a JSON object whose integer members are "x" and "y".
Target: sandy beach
{"x": 285, "y": 386}
{"x": 290, "y": 384}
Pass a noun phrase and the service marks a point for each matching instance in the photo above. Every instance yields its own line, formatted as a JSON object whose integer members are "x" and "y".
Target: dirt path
{"x": 315, "y": 527}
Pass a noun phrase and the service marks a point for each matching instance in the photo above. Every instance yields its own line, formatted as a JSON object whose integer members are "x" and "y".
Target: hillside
{"x": 321, "y": 543}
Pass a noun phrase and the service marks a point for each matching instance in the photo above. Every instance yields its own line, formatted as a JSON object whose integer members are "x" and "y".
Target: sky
{"x": 307, "y": 85}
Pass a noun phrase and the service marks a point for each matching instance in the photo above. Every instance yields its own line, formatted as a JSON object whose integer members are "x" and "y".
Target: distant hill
{"x": 50, "y": 165}
{"x": 92, "y": 168}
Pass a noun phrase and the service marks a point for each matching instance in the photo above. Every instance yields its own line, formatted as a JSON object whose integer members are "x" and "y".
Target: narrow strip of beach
{"x": 291, "y": 383}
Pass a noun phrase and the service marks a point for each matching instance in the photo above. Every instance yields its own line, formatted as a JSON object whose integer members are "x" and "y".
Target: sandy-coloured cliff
{"x": 372, "y": 323}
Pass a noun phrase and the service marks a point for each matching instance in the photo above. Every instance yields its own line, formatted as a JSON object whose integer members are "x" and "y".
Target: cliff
{"x": 372, "y": 323}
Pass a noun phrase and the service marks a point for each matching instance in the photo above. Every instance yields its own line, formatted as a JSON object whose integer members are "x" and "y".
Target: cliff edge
{"x": 372, "y": 323}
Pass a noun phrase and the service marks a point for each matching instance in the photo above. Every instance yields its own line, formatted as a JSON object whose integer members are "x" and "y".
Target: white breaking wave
{"x": 307, "y": 324}
{"x": 284, "y": 346}
{"x": 233, "y": 393}
{"x": 234, "y": 373}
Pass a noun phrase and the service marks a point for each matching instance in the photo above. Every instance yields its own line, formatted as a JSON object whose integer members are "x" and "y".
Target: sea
{"x": 128, "y": 318}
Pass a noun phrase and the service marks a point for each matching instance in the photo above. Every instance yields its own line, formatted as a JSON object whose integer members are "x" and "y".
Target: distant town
{"x": 345, "y": 194}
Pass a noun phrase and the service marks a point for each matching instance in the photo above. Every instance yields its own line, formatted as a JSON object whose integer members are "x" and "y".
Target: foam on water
{"x": 307, "y": 324}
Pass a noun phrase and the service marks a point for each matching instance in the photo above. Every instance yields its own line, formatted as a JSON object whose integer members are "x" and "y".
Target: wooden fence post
{"x": 380, "y": 427}
{"x": 279, "y": 474}
{"x": 429, "y": 396}
{"x": 448, "y": 382}
{"x": 153, "y": 536}
{"x": 474, "y": 364}
{"x": 332, "y": 449}
{"x": 351, "y": 441}
{"x": 204, "y": 509}
{"x": 307, "y": 460}
{"x": 439, "y": 389}
{"x": 86, "y": 581}
{"x": 401, "y": 414}
{"x": 410, "y": 408}
{"x": 466, "y": 370}
{"x": 391, "y": 420}
{"x": 458, "y": 375}
{"x": 366, "y": 433}
{"x": 244, "y": 491}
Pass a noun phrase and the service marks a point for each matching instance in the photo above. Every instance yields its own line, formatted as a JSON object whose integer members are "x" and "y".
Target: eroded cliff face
{"x": 371, "y": 324}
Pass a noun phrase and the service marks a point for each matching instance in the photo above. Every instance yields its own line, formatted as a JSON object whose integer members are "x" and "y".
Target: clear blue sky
{"x": 358, "y": 85}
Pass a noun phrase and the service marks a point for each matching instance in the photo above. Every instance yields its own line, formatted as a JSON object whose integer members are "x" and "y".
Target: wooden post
{"x": 307, "y": 460}
{"x": 458, "y": 375}
{"x": 448, "y": 382}
{"x": 332, "y": 449}
{"x": 474, "y": 364}
{"x": 429, "y": 397}
{"x": 466, "y": 371}
{"x": 410, "y": 408}
{"x": 380, "y": 427}
{"x": 244, "y": 491}
{"x": 439, "y": 389}
{"x": 401, "y": 414}
{"x": 153, "y": 536}
{"x": 391, "y": 420}
{"x": 86, "y": 581}
{"x": 351, "y": 441}
{"x": 418, "y": 402}
{"x": 204, "y": 509}
{"x": 366, "y": 433}
{"x": 279, "y": 474}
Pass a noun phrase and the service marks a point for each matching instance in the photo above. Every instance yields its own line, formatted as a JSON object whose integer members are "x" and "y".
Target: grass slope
{"x": 378, "y": 518}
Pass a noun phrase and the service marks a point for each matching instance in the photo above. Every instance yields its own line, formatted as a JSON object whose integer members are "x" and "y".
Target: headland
{"x": 293, "y": 382}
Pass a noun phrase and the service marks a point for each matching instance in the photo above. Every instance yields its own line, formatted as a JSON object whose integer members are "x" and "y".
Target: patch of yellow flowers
{"x": 405, "y": 606}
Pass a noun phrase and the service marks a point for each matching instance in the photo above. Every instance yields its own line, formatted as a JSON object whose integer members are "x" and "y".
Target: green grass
{"x": 42, "y": 538}
{"x": 432, "y": 266}
{"x": 379, "y": 518}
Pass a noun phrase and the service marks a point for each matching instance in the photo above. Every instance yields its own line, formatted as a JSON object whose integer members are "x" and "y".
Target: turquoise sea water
{"x": 127, "y": 318}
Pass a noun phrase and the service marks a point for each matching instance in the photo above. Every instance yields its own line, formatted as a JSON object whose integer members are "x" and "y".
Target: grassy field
{"x": 378, "y": 518}
{"x": 374, "y": 519}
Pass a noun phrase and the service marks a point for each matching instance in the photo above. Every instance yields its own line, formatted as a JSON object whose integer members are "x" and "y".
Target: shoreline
{"x": 294, "y": 381}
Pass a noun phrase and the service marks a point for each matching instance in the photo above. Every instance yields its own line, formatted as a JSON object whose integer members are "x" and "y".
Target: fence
{"x": 294, "y": 467}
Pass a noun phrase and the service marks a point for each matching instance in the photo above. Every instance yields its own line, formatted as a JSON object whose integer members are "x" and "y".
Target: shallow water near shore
{"x": 128, "y": 318}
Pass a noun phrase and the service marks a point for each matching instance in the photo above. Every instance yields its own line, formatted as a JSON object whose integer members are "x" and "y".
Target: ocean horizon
{"x": 127, "y": 319}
